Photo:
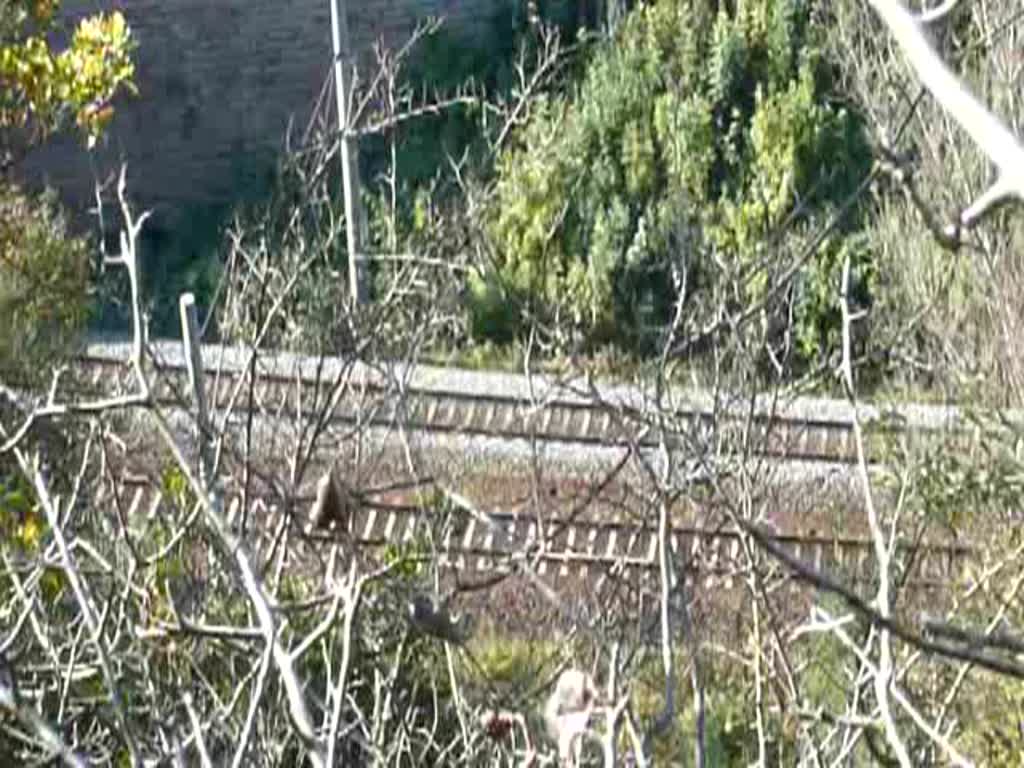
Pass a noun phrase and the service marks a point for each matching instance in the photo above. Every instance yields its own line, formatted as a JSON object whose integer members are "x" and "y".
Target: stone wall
{"x": 219, "y": 81}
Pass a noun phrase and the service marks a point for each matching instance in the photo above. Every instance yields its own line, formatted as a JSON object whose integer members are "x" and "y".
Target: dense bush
{"x": 698, "y": 142}
{"x": 44, "y": 284}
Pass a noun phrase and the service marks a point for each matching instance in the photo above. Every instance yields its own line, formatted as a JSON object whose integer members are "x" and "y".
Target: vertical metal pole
{"x": 196, "y": 378}
{"x": 349, "y": 152}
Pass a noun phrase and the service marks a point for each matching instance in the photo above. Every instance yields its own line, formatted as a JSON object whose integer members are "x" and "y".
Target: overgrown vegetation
{"x": 45, "y": 271}
{"x": 698, "y": 148}
{"x": 44, "y": 284}
{"x": 688, "y": 179}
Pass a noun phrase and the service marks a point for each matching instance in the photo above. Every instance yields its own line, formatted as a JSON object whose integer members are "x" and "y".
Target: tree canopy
{"x": 42, "y": 87}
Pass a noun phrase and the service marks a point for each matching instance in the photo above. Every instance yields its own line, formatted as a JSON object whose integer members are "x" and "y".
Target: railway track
{"x": 505, "y": 407}
{"x": 509, "y": 408}
{"x": 587, "y": 549}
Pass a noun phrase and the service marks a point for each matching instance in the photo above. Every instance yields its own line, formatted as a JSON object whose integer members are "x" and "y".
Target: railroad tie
{"x": 948, "y": 562}
{"x": 389, "y": 527}
{"x": 413, "y": 409}
{"x": 862, "y": 559}
{"x": 946, "y": 567}
{"x": 591, "y": 551}
{"x": 838, "y": 555}
{"x": 821, "y": 440}
{"x": 490, "y": 417}
{"x": 510, "y": 539}
{"x": 371, "y": 520}
{"x": 717, "y": 558}
{"x": 531, "y": 532}
{"x": 511, "y": 417}
{"x": 280, "y": 403}
{"x": 505, "y": 534}
{"x": 533, "y": 535}
{"x": 652, "y": 550}
{"x": 486, "y": 561}
{"x": 850, "y": 444}
{"x": 588, "y": 416}
{"x": 410, "y": 530}
{"x": 451, "y": 413}
{"x": 549, "y": 414}
{"x": 609, "y": 552}
{"x": 467, "y": 423}
{"x": 695, "y": 548}
{"x": 432, "y": 412}
{"x": 804, "y": 441}
{"x": 623, "y": 561}
{"x": 446, "y": 540}
{"x": 570, "y": 426}
{"x": 356, "y": 522}
{"x": 570, "y": 544}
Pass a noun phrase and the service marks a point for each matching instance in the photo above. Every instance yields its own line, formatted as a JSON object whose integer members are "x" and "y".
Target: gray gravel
{"x": 541, "y": 388}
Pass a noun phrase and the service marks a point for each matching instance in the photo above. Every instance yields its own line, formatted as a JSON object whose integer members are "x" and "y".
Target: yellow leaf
{"x": 31, "y": 532}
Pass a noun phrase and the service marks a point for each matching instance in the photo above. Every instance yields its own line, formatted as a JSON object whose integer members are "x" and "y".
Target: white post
{"x": 196, "y": 377}
{"x": 349, "y": 152}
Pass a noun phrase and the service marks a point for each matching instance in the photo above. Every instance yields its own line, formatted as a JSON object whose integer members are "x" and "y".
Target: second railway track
{"x": 574, "y": 548}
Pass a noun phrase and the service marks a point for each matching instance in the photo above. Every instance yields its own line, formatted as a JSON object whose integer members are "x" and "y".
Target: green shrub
{"x": 44, "y": 285}
{"x": 689, "y": 142}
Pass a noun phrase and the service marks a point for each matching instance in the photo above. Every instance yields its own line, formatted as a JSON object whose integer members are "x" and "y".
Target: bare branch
{"x": 990, "y": 134}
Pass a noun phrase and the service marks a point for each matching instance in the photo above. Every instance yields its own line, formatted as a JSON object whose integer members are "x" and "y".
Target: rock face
{"x": 218, "y": 84}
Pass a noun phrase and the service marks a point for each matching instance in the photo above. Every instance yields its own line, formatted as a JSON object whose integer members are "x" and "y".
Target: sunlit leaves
{"x": 45, "y": 87}
{"x": 21, "y": 520}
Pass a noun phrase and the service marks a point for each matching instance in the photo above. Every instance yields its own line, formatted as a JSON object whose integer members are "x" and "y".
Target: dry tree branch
{"x": 84, "y": 600}
{"x": 550, "y": 58}
{"x": 197, "y": 731}
{"x": 938, "y": 13}
{"x": 868, "y": 613}
{"x": 47, "y": 735}
{"x": 352, "y": 590}
{"x": 129, "y": 259}
{"x": 209, "y": 500}
{"x": 988, "y": 132}
{"x": 951, "y": 752}
{"x": 883, "y": 676}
